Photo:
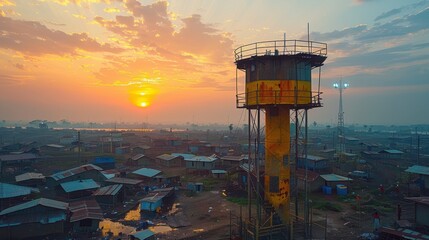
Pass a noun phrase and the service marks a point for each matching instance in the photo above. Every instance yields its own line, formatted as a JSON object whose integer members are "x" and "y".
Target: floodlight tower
{"x": 341, "y": 143}
{"x": 277, "y": 81}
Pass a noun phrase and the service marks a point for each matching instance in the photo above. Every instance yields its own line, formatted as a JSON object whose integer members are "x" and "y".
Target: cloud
{"x": 338, "y": 34}
{"x": 186, "y": 54}
{"x": 15, "y": 79}
{"x": 388, "y": 14}
{"x": 33, "y": 38}
{"x": 396, "y": 11}
{"x": 398, "y": 27}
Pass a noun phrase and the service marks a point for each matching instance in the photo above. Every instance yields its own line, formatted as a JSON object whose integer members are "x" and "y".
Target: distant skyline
{"x": 172, "y": 61}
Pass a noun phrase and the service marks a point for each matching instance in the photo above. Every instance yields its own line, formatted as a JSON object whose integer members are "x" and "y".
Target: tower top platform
{"x": 309, "y": 51}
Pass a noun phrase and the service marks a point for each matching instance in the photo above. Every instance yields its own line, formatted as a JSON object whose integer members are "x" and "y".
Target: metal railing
{"x": 280, "y": 47}
{"x": 273, "y": 97}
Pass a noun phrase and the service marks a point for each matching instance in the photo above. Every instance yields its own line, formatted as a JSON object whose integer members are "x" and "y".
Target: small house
{"x": 87, "y": 171}
{"x": 313, "y": 163}
{"x": 30, "y": 179}
{"x": 314, "y": 181}
{"x": 33, "y": 219}
{"x": 391, "y": 154}
{"x": 11, "y": 194}
{"x": 332, "y": 180}
{"x": 79, "y": 188}
{"x": 131, "y": 186}
{"x": 218, "y": 173}
{"x": 146, "y": 173}
{"x": 155, "y": 199}
{"x": 421, "y": 210}
{"x": 85, "y": 216}
{"x": 110, "y": 195}
{"x": 423, "y": 176}
{"x": 170, "y": 160}
{"x": 232, "y": 161}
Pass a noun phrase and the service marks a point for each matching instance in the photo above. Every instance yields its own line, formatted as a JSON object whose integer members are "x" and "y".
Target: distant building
{"x": 170, "y": 160}
{"x": 313, "y": 163}
{"x": 139, "y": 159}
{"x": 33, "y": 219}
{"x": 391, "y": 154}
{"x": 52, "y": 148}
{"x": 17, "y": 162}
{"x": 122, "y": 150}
{"x": 227, "y": 162}
{"x": 198, "y": 162}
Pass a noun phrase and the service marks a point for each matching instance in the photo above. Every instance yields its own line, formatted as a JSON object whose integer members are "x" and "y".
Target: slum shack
{"x": 85, "y": 216}
{"x": 79, "y": 188}
{"x": 33, "y": 219}
{"x": 11, "y": 194}
{"x": 110, "y": 195}
{"x": 154, "y": 200}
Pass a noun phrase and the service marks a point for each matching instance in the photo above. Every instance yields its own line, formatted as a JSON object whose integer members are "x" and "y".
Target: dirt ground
{"x": 208, "y": 216}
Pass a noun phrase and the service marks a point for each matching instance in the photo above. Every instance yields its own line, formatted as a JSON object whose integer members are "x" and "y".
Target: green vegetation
{"x": 324, "y": 205}
{"x": 238, "y": 200}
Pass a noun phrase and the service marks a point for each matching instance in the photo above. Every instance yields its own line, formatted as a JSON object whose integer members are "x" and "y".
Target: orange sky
{"x": 172, "y": 61}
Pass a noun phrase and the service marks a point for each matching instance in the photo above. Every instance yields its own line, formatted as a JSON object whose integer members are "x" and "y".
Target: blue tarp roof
{"x": 417, "y": 169}
{"x": 104, "y": 160}
{"x": 142, "y": 235}
{"x": 147, "y": 172}
{"x": 78, "y": 185}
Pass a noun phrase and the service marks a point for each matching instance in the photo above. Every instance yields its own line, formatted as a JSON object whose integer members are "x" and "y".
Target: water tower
{"x": 278, "y": 81}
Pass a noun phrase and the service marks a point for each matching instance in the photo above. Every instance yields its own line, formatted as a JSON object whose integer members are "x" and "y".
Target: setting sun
{"x": 144, "y": 104}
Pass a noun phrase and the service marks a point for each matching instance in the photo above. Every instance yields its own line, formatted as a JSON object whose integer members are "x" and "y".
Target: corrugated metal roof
{"x": 29, "y": 176}
{"x": 334, "y": 178}
{"x": 218, "y": 171}
{"x": 391, "y": 151}
{"x": 83, "y": 184}
{"x": 11, "y": 190}
{"x": 417, "y": 169}
{"x": 186, "y": 156}
{"x": 137, "y": 157}
{"x": 202, "y": 159}
{"x": 421, "y": 200}
{"x": 166, "y": 157}
{"x": 233, "y": 158}
{"x": 142, "y": 235}
{"x": 54, "y": 146}
{"x": 41, "y": 201}
{"x": 88, "y": 209}
{"x": 108, "y": 190}
{"x": 18, "y": 157}
{"x": 147, "y": 172}
{"x": 313, "y": 158}
{"x": 74, "y": 171}
{"x": 124, "y": 181}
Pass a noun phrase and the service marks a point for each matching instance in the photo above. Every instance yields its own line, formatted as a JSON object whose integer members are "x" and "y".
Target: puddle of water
{"x": 114, "y": 228}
